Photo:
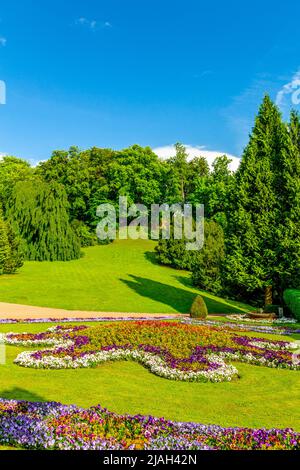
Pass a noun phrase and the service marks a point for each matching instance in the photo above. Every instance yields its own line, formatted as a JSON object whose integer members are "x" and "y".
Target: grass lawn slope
{"x": 121, "y": 277}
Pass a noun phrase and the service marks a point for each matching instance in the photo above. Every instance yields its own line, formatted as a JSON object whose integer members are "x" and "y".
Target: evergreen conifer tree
{"x": 287, "y": 229}
{"x": 256, "y": 224}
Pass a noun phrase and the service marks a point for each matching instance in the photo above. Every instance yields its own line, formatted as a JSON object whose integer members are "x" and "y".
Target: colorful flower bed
{"x": 55, "y": 426}
{"x": 172, "y": 350}
{"x": 233, "y": 325}
{"x": 276, "y": 321}
{"x": 238, "y": 322}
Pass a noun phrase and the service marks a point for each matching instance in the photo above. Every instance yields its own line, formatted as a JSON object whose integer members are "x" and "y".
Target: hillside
{"x": 121, "y": 277}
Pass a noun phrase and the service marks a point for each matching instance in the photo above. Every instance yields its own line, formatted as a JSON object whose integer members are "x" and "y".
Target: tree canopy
{"x": 37, "y": 212}
{"x": 252, "y": 244}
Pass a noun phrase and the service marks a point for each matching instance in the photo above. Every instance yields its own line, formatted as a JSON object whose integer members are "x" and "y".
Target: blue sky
{"x": 112, "y": 73}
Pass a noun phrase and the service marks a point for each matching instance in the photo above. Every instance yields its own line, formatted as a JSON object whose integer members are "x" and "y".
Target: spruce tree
{"x": 38, "y": 211}
{"x": 253, "y": 235}
{"x": 287, "y": 229}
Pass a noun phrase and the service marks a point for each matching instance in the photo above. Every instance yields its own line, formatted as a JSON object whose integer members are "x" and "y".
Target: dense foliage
{"x": 199, "y": 308}
{"x": 252, "y": 243}
{"x": 38, "y": 212}
{"x": 11, "y": 256}
{"x": 259, "y": 211}
{"x": 205, "y": 264}
{"x": 292, "y": 300}
{"x": 263, "y": 244}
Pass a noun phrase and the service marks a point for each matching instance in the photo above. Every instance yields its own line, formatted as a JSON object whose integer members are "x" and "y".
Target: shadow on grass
{"x": 178, "y": 299}
{"x": 151, "y": 257}
{"x": 213, "y": 305}
{"x": 20, "y": 394}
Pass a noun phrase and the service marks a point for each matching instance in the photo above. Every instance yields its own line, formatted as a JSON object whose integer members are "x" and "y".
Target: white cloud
{"x": 3, "y": 41}
{"x": 93, "y": 24}
{"x": 291, "y": 88}
{"x": 168, "y": 151}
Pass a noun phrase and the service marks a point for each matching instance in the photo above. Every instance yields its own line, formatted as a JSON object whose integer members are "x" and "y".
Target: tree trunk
{"x": 268, "y": 295}
{"x": 182, "y": 190}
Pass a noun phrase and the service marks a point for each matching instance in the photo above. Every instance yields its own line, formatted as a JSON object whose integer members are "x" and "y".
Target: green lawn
{"x": 261, "y": 397}
{"x": 121, "y": 277}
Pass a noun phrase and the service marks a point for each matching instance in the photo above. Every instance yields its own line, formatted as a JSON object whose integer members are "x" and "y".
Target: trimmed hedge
{"x": 199, "y": 308}
{"x": 292, "y": 300}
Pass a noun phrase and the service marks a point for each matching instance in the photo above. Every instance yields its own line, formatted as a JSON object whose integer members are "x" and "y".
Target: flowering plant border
{"x": 53, "y": 426}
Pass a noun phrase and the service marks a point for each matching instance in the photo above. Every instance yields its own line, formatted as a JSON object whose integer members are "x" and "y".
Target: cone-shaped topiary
{"x": 198, "y": 308}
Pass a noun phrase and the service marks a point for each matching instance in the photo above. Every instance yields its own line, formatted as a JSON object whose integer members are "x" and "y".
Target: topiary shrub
{"x": 292, "y": 300}
{"x": 198, "y": 308}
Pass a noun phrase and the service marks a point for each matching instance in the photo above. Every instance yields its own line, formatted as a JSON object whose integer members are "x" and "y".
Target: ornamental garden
{"x": 167, "y": 348}
{"x": 199, "y": 351}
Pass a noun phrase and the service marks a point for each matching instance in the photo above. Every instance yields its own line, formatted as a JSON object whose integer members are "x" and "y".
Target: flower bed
{"x": 247, "y": 326}
{"x": 275, "y": 321}
{"x": 172, "y": 350}
{"x": 61, "y": 427}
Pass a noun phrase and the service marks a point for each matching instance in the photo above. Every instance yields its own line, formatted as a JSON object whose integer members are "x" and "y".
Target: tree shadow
{"x": 178, "y": 299}
{"x": 151, "y": 257}
{"x": 17, "y": 393}
{"x": 213, "y": 305}
{"x": 185, "y": 281}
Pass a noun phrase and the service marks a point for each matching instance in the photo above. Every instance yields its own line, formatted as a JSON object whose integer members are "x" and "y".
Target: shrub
{"x": 83, "y": 233}
{"x": 198, "y": 308}
{"x": 272, "y": 309}
{"x": 292, "y": 300}
{"x": 207, "y": 263}
{"x": 11, "y": 256}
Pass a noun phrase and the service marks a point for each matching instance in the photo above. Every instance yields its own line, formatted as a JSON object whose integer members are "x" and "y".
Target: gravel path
{"x": 18, "y": 311}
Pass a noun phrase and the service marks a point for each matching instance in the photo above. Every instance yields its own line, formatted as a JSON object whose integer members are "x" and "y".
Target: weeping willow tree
{"x": 38, "y": 211}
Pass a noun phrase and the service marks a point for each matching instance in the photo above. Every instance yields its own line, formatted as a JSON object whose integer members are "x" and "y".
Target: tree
{"x": 16, "y": 257}
{"x": 197, "y": 172}
{"x": 254, "y": 261}
{"x": 179, "y": 168}
{"x": 207, "y": 262}
{"x": 199, "y": 308}
{"x": 12, "y": 169}
{"x": 71, "y": 169}
{"x": 137, "y": 173}
{"x": 214, "y": 190}
{"x": 38, "y": 211}
{"x": 4, "y": 246}
{"x": 287, "y": 229}
{"x": 11, "y": 256}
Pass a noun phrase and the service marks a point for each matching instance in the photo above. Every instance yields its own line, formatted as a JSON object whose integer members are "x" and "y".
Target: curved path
{"x": 18, "y": 311}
